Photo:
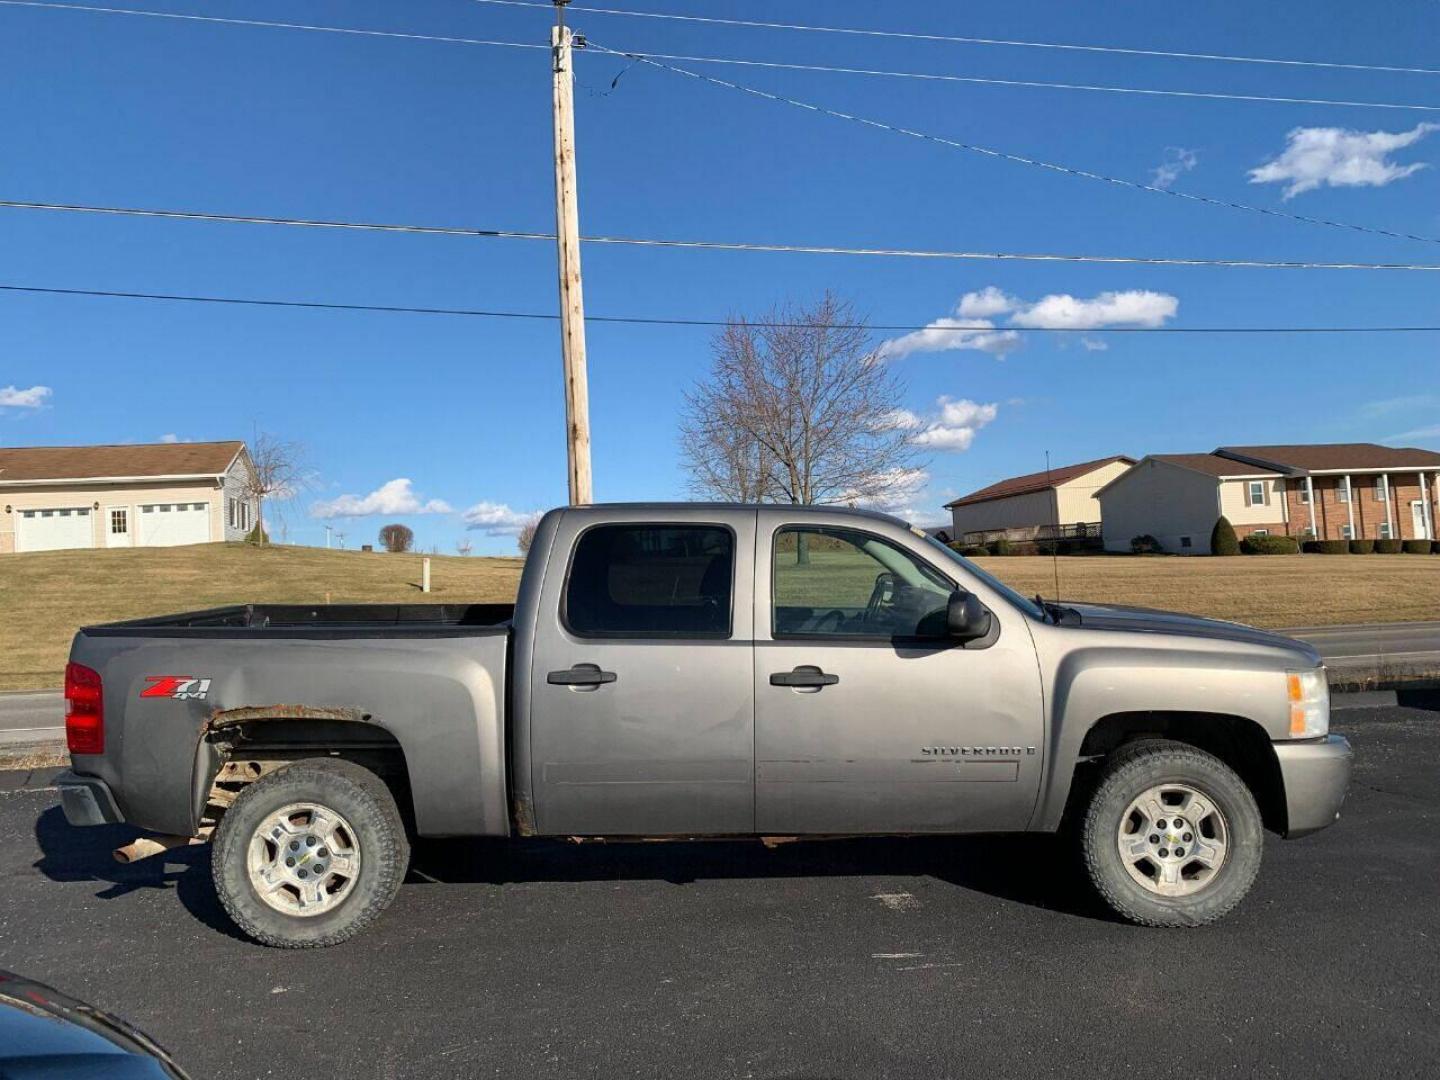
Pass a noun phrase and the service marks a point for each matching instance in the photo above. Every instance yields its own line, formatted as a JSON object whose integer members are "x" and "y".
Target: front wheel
{"x": 1172, "y": 836}
{"x": 310, "y": 854}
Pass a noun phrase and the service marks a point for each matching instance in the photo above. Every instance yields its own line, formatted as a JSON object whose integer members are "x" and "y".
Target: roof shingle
{"x": 108, "y": 462}
{"x": 1030, "y": 482}
{"x": 1214, "y": 464}
{"x": 1324, "y": 457}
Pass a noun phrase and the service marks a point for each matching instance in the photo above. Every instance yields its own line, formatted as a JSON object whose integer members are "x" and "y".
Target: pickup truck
{"x": 688, "y": 670}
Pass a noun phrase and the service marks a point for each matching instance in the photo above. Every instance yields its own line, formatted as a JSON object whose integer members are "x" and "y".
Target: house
{"x": 124, "y": 496}
{"x": 1326, "y": 491}
{"x": 1059, "y": 502}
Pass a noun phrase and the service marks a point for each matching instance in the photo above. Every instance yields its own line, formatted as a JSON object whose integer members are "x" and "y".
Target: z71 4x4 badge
{"x": 179, "y": 687}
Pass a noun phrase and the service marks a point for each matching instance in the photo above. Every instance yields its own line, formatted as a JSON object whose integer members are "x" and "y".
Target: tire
{"x": 312, "y": 799}
{"x": 1158, "y": 880}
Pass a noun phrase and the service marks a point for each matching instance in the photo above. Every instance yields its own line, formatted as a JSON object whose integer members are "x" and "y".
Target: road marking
{"x": 894, "y": 955}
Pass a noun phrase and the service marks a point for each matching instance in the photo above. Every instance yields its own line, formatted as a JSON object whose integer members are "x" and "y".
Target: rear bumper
{"x": 1316, "y": 775}
{"x": 86, "y": 800}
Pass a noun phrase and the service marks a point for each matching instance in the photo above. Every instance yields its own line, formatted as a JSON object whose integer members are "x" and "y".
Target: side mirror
{"x": 965, "y": 617}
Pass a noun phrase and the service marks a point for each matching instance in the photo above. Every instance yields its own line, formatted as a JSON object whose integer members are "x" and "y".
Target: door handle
{"x": 806, "y": 675}
{"x": 580, "y": 675}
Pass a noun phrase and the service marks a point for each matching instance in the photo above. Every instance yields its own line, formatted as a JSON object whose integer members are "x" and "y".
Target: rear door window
{"x": 655, "y": 581}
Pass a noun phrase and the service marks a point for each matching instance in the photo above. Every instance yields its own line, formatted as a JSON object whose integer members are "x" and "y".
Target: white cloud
{"x": 392, "y": 497}
{"x": 986, "y": 303}
{"x": 1340, "y": 157}
{"x": 1177, "y": 160}
{"x": 15, "y": 398}
{"x": 1094, "y": 344}
{"x": 1134, "y": 307}
{"x": 973, "y": 325}
{"x": 496, "y": 519}
{"x": 901, "y": 419}
{"x": 172, "y": 438}
{"x": 1424, "y": 434}
{"x": 949, "y": 333}
{"x": 955, "y": 425}
{"x": 902, "y": 488}
{"x": 1405, "y": 403}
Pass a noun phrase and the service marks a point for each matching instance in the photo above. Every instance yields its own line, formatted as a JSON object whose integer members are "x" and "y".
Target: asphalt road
{"x": 879, "y": 958}
{"x": 31, "y": 717}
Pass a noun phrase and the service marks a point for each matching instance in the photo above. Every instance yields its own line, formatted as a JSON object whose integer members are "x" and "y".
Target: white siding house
{"x": 144, "y": 495}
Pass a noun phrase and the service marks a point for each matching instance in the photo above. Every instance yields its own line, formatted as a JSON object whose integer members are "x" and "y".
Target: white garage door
{"x": 168, "y": 524}
{"x": 53, "y": 528}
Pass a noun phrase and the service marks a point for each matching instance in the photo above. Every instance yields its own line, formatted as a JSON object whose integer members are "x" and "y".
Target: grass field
{"x": 46, "y": 595}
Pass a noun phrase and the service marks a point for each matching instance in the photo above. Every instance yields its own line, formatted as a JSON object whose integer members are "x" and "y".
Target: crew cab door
{"x": 869, "y": 717}
{"x": 642, "y": 677}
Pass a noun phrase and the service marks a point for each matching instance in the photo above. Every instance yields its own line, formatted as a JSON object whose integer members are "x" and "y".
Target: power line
{"x": 642, "y": 58}
{"x": 267, "y": 24}
{"x": 1033, "y": 83}
{"x": 711, "y": 245}
{"x": 916, "y": 75}
{"x": 638, "y": 320}
{"x": 956, "y": 39}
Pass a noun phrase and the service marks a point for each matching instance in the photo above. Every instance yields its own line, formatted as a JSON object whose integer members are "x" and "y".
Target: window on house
{"x": 1184, "y": 541}
{"x": 1304, "y": 493}
{"x": 1259, "y": 532}
{"x": 1384, "y": 530}
{"x": 119, "y": 522}
{"x": 1347, "y": 533}
{"x": 1342, "y": 490}
{"x": 1257, "y": 492}
{"x": 1382, "y": 489}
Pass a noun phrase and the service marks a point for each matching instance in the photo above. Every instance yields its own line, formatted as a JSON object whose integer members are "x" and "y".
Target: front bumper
{"x": 1316, "y": 774}
{"x": 86, "y": 800}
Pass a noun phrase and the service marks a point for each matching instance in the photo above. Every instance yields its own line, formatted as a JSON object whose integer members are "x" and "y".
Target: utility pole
{"x": 567, "y": 232}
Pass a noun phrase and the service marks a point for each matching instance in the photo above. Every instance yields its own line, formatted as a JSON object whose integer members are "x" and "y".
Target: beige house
{"x": 1058, "y": 503}
{"x": 157, "y": 495}
{"x": 1327, "y": 491}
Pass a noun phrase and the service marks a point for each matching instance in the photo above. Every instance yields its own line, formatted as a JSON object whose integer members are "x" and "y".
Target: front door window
{"x": 844, "y": 583}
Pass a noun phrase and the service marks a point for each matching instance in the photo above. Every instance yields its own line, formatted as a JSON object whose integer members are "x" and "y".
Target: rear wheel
{"x": 1172, "y": 836}
{"x": 310, "y": 854}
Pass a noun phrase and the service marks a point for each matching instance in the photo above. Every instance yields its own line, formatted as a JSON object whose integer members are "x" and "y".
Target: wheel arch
{"x": 1239, "y": 742}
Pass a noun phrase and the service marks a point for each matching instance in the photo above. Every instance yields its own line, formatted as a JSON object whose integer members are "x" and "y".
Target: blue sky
{"x": 157, "y": 113}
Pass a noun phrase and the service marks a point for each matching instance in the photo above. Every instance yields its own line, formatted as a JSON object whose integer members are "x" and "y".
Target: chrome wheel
{"x": 1173, "y": 840}
{"x": 304, "y": 859}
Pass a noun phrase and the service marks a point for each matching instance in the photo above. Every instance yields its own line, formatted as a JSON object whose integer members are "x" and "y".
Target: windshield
{"x": 1027, "y": 606}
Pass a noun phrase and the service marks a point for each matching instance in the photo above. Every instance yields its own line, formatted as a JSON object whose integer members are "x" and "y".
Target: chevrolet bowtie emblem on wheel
{"x": 179, "y": 687}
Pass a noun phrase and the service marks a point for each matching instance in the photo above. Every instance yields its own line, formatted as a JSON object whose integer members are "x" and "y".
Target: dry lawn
{"x": 45, "y": 596}
{"x": 1269, "y": 590}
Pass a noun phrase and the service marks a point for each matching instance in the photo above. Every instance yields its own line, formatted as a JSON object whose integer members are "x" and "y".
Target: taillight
{"x": 84, "y": 710}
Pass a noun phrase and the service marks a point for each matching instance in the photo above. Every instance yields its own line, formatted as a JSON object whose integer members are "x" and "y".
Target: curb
{"x": 29, "y": 779}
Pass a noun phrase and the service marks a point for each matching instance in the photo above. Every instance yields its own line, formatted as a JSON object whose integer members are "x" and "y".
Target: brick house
{"x": 1333, "y": 491}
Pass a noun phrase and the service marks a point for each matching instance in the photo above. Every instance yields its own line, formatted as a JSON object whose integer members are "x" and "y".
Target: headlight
{"x": 1309, "y": 703}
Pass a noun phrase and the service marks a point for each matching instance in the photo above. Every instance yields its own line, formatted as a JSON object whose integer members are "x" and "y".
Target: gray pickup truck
{"x": 699, "y": 671}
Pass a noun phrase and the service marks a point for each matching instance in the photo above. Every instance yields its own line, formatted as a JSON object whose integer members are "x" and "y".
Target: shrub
{"x": 397, "y": 538}
{"x": 1387, "y": 547}
{"x": 1435, "y": 547}
{"x": 257, "y": 535}
{"x": 999, "y": 547}
{"x": 1269, "y": 545}
{"x": 1222, "y": 538}
{"x": 1417, "y": 547}
{"x": 974, "y": 550}
{"x": 1145, "y": 544}
{"x": 1362, "y": 547}
{"x": 1326, "y": 547}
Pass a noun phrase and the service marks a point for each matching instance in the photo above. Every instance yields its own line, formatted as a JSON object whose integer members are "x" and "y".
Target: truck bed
{"x": 319, "y": 620}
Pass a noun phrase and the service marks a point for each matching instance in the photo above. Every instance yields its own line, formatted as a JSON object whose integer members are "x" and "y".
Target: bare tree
{"x": 797, "y": 408}
{"x": 278, "y": 471}
{"x": 397, "y": 538}
{"x": 463, "y": 546}
{"x": 526, "y": 536}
